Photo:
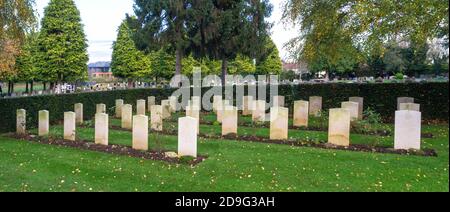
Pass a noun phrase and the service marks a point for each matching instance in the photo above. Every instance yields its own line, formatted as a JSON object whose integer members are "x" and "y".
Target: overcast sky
{"x": 102, "y": 17}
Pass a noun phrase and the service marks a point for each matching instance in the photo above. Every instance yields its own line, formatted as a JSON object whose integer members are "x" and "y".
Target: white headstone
{"x": 101, "y": 128}
{"x": 166, "y": 109}
{"x": 21, "y": 121}
{"x": 259, "y": 111}
{"x": 279, "y": 123}
{"x": 187, "y": 137}
{"x": 410, "y": 106}
{"x": 101, "y": 108}
{"x": 79, "y": 113}
{"x": 173, "y": 100}
{"x": 69, "y": 126}
{"x": 194, "y": 112}
{"x": 119, "y": 104}
{"x": 127, "y": 115}
{"x": 360, "y": 101}
{"x": 401, "y": 100}
{"x": 156, "y": 119}
{"x": 315, "y": 106}
{"x": 140, "y": 107}
{"x": 140, "y": 132}
{"x": 301, "y": 113}
{"x": 408, "y": 129}
{"x": 353, "y": 108}
{"x": 247, "y": 105}
{"x": 229, "y": 120}
{"x": 217, "y": 101}
{"x": 151, "y": 100}
{"x": 43, "y": 123}
{"x": 339, "y": 127}
{"x": 278, "y": 101}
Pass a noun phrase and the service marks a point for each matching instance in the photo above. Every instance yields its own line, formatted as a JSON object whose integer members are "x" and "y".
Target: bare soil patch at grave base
{"x": 313, "y": 144}
{"x": 110, "y": 149}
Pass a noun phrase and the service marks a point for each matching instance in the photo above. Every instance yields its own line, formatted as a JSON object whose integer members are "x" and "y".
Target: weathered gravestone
{"x": 101, "y": 128}
{"x": 156, "y": 118}
{"x": 140, "y": 107}
{"x": 21, "y": 121}
{"x": 101, "y": 108}
{"x": 401, "y": 100}
{"x": 360, "y": 101}
{"x": 69, "y": 126}
{"x": 187, "y": 137}
{"x": 118, "y": 109}
{"x": 408, "y": 129}
{"x": 279, "y": 123}
{"x": 315, "y": 106}
{"x": 140, "y": 132}
{"x": 79, "y": 113}
{"x": 43, "y": 123}
{"x": 247, "y": 105}
{"x": 127, "y": 115}
{"x": 410, "y": 106}
{"x": 339, "y": 127}
{"x": 353, "y": 108}
{"x": 301, "y": 113}
{"x": 229, "y": 120}
{"x": 151, "y": 100}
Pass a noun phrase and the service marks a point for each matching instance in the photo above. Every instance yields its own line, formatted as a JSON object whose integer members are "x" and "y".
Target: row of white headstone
{"x": 407, "y": 125}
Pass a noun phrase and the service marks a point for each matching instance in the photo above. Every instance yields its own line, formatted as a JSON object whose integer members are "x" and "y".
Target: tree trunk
{"x": 45, "y": 86}
{"x": 32, "y": 86}
{"x": 26, "y": 88}
{"x": 224, "y": 70}
{"x": 9, "y": 88}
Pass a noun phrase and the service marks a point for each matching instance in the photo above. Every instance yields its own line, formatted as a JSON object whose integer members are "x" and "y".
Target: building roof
{"x": 99, "y": 65}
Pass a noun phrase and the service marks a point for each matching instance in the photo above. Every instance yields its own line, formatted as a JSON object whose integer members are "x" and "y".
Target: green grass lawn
{"x": 231, "y": 165}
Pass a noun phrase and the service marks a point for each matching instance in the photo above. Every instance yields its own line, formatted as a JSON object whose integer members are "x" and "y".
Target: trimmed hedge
{"x": 433, "y": 98}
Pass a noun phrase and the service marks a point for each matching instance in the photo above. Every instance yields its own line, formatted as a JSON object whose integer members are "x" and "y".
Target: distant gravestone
{"x": 301, "y": 113}
{"x": 187, "y": 138}
{"x": 197, "y": 102}
{"x": 156, "y": 118}
{"x": 79, "y": 113}
{"x": 410, "y": 106}
{"x": 247, "y": 105}
{"x": 166, "y": 109}
{"x": 339, "y": 127}
{"x": 140, "y": 107}
{"x": 21, "y": 121}
{"x": 43, "y": 123}
{"x": 151, "y": 100}
{"x": 230, "y": 120}
{"x": 193, "y": 111}
{"x": 140, "y": 132}
{"x": 401, "y": 100}
{"x": 101, "y": 108}
{"x": 407, "y": 129}
{"x": 360, "y": 101}
{"x": 118, "y": 109}
{"x": 259, "y": 111}
{"x": 315, "y": 106}
{"x": 69, "y": 126}
{"x": 173, "y": 100}
{"x": 278, "y": 101}
{"x": 101, "y": 128}
{"x": 217, "y": 101}
{"x": 353, "y": 108}
{"x": 279, "y": 123}
{"x": 127, "y": 115}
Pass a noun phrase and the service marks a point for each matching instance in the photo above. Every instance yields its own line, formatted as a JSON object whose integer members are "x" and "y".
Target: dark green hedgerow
{"x": 381, "y": 98}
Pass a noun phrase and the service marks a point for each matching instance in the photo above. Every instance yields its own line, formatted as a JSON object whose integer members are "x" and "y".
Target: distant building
{"x": 299, "y": 68}
{"x": 100, "y": 70}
